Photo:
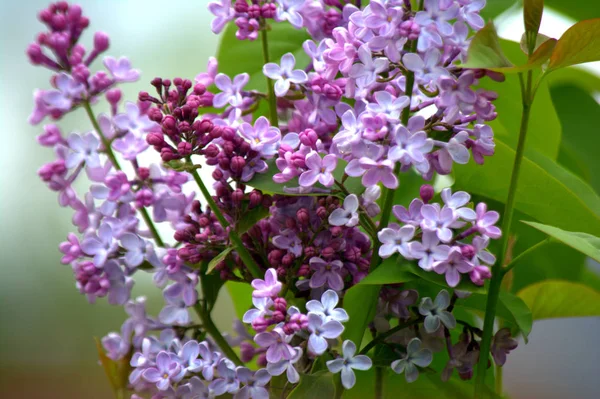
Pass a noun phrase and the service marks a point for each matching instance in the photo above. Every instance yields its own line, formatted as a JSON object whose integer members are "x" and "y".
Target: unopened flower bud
{"x": 426, "y": 193}
{"x": 101, "y": 42}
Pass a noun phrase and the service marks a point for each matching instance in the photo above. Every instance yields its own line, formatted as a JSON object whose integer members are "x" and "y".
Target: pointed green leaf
{"x": 314, "y": 386}
{"x": 440, "y": 279}
{"x": 250, "y": 218}
{"x": 532, "y": 17}
{"x": 539, "y": 57}
{"x": 391, "y": 271}
{"x": 485, "y": 51}
{"x": 556, "y": 299}
{"x": 360, "y": 302}
{"x": 583, "y": 242}
{"x": 217, "y": 259}
{"x": 578, "y": 45}
{"x": 241, "y": 296}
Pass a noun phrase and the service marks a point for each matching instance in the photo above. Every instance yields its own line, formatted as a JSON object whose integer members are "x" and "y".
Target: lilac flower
{"x": 285, "y": 74}
{"x": 288, "y": 239}
{"x": 223, "y": 11}
{"x": 40, "y": 109}
{"x": 484, "y": 144}
{"x": 427, "y": 69}
{"x": 348, "y": 363}
{"x": 434, "y": 13}
{"x": 121, "y": 69}
{"x": 100, "y": 246}
{"x": 269, "y": 287}
{"x": 440, "y": 221}
{"x": 189, "y": 357}
{"x": 263, "y": 137}
{"x": 347, "y": 215}
{"x": 383, "y": 19}
{"x": 315, "y": 52}
{"x": 277, "y": 344}
{"x": 366, "y": 71}
{"x": 326, "y": 273}
{"x": 254, "y": 383}
{"x": 410, "y": 148}
{"x": 465, "y": 357}
{"x": 396, "y": 240}
{"x": 247, "y": 28}
{"x": 502, "y": 344}
{"x": 412, "y": 215}
{"x": 480, "y": 244}
{"x": 470, "y": 13}
{"x": 230, "y": 90}
{"x": 429, "y": 251}
{"x": 456, "y": 202}
{"x": 262, "y": 308}
{"x": 415, "y": 356}
{"x": 485, "y": 221}
{"x": 133, "y": 120}
{"x": 369, "y": 199}
{"x": 456, "y": 94}
{"x": 138, "y": 250}
{"x": 130, "y": 146}
{"x": 120, "y": 286}
{"x": 453, "y": 266}
{"x": 167, "y": 371}
{"x": 388, "y": 105}
{"x": 378, "y": 171}
{"x": 435, "y": 312}
{"x": 289, "y": 10}
{"x": 320, "y": 332}
{"x": 227, "y": 381}
{"x": 455, "y": 151}
{"x": 84, "y": 149}
{"x": 141, "y": 360}
{"x": 326, "y": 308}
{"x": 210, "y": 360}
{"x": 208, "y": 78}
{"x": 176, "y": 309}
{"x": 68, "y": 89}
{"x": 287, "y": 366}
{"x": 319, "y": 169}
{"x": 195, "y": 389}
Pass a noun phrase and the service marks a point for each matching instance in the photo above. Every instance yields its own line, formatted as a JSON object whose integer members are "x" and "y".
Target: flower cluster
{"x": 302, "y": 199}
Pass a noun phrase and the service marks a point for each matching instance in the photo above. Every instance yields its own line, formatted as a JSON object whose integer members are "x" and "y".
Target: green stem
{"x": 214, "y": 332}
{"x": 499, "y": 380}
{"x": 514, "y": 262}
{"x": 339, "y": 389}
{"x": 233, "y": 236}
{"x": 113, "y": 159}
{"x": 272, "y": 99}
{"x": 378, "y": 383}
{"x": 388, "y": 333}
{"x": 497, "y": 272}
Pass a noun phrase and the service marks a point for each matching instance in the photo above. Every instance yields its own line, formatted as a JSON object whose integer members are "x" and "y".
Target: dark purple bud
{"x": 247, "y": 351}
{"x": 35, "y": 54}
{"x": 303, "y": 216}
{"x": 267, "y": 200}
{"x": 287, "y": 259}
{"x": 260, "y": 324}
{"x": 211, "y": 151}
{"x": 304, "y": 271}
{"x": 241, "y": 6}
{"x": 290, "y": 223}
{"x": 322, "y": 212}
{"x": 113, "y": 96}
{"x": 468, "y": 251}
{"x": 237, "y": 164}
{"x": 327, "y": 252}
{"x": 254, "y": 11}
{"x": 101, "y": 42}
{"x": 426, "y": 193}
{"x": 336, "y": 231}
{"x": 143, "y": 173}
{"x": 184, "y": 149}
{"x": 280, "y": 304}
{"x": 255, "y": 198}
{"x": 353, "y": 254}
{"x": 309, "y": 138}
{"x": 155, "y": 139}
{"x": 237, "y": 196}
{"x": 278, "y": 316}
{"x": 261, "y": 361}
{"x": 309, "y": 252}
{"x": 227, "y": 133}
{"x": 268, "y": 10}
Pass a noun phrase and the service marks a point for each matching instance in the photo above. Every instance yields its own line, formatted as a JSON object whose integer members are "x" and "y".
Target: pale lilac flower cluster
{"x": 436, "y": 235}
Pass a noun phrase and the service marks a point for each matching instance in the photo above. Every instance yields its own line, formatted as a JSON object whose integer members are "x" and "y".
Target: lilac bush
{"x": 302, "y": 204}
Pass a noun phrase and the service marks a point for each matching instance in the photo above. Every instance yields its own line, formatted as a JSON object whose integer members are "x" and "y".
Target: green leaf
{"x": 485, "y": 51}
{"x": 217, "y": 259}
{"x": 389, "y": 272}
{"x": 117, "y": 371}
{"x": 314, "y": 386}
{"x": 211, "y": 286}
{"x": 555, "y": 299}
{"x": 243, "y": 56}
{"x": 532, "y": 17}
{"x": 241, "y": 296}
{"x": 250, "y": 218}
{"x": 360, "y": 302}
{"x": 511, "y": 308}
{"x": 546, "y": 191}
{"x": 584, "y": 243}
{"x": 440, "y": 279}
{"x": 579, "y": 44}
{"x": 538, "y": 58}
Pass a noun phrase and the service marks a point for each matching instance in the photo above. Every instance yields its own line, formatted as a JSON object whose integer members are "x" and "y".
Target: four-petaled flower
{"x": 167, "y": 370}
{"x": 326, "y": 308}
{"x": 287, "y": 366}
{"x": 84, "y": 149}
{"x": 396, "y": 240}
{"x": 285, "y": 74}
{"x": 348, "y": 363}
{"x": 435, "y": 312}
{"x": 347, "y": 215}
{"x": 320, "y": 332}
{"x": 415, "y": 356}
{"x": 453, "y": 266}
{"x": 326, "y": 273}
{"x": 277, "y": 344}
{"x": 269, "y": 287}
{"x": 319, "y": 169}
{"x": 263, "y": 137}
{"x": 230, "y": 90}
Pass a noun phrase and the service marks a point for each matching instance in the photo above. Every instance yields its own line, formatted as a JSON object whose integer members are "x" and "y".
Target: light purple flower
{"x": 277, "y": 344}
{"x": 130, "y": 146}
{"x": 120, "y": 285}
{"x": 133, "y": 120}
{"x": 189, "y": 357}
{"x": 83, "y": 149}
{"x": 369, "y": 199}
{"x": 486, "y": 220}
{"x": 254, "y": 383}
{"x": 289, "y": 10}
{"x": 457, "y": 201}
{"x": 208, "y": 78}
{"x": 262, "y": 308}
{"x": 384, "y": 20}
{"x": 288, "y": 239}
{"x": 68, "y": 89}
{"x": 435, "y": 13}
{"x": 429, "y": 250}
{"x": 502, "y": 344}
{"x": 211, "y": 360}
{"x": 319, "y": 169}
{"x": 195, "y": 389}
{"x": 388, "y": 105}
{"x": 480, "y": 244}
{"x": 365, "y": 72}
{"x": 167, "y": 371}
{"x": 326, "y": 308}
{"x": 427, "y": 69}
{"x": 253, "y": 166}
{"x": 346, "y": 215}
{"x": 247, "y": 28}
{"x": 287, "y": 366}
{"x": 378, "y": 171}
{"x": 440, "y": 221}
{"x": 269, "y": 287}
{"x": 223, "y": 12}
{"x": 176, "y": 308}
{"x": 484, "y": 144}
{"x": 121, "y": 69}
{"x": 263, "y": 137}
{"x": 453, "y": 266}
{"x": 315, "y": 52}
{"x": 320, "y": 332}
{"x": 470, "y": 13}
{"x": 348, "y": 363}
{"x": 435, "y": 312}
{"x": 100, "y": 246}
{"x": 230, "y": 90}
{"x": 227, "y": 381}
{"x": 326, "y": 273}
{"x": 455, "y": 151}
{"x": 285, "y": 74}
{"x": 412, "y": 215}
{"x": 410, "y": 149}
{"x": 415, "y": 356}
{"x": 396, "y": 240}
{"x": 137, "y": 250}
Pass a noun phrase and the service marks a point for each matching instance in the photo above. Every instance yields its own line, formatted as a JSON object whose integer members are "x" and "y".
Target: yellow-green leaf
{"x": 557, "y": 299}
{"x": 532, "y": 17}
{"x": 217, "y": 259}
{"x": 579, "y": 44}
{"x": 485, "y": 51}
{"x": 583, "y": 242}
{"x": 314, "y": 386}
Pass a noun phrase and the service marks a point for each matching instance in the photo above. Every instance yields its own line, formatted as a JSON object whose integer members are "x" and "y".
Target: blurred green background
{"x": 46, "y": 327}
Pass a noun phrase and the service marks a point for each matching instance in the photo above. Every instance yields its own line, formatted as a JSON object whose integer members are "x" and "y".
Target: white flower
{"x": 327, "y": 307}
{"x": 348, "y": 363}
{"x": 347, "y": 215}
